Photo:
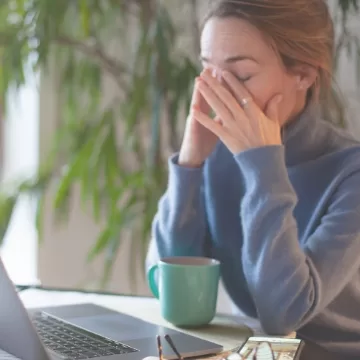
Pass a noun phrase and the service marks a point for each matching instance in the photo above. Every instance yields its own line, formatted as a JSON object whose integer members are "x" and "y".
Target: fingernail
{"x": 214, "y": 73}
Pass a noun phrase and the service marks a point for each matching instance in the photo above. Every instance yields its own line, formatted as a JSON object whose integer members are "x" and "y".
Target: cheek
{"x": 263, "y": 88}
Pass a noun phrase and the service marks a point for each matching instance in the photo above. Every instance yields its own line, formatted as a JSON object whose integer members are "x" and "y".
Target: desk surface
{"x": 226, "y": 330}
{"x": 229, "y": 331}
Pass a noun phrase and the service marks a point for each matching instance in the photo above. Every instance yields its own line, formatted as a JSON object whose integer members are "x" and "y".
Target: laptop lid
{"x": 17, "y": 334}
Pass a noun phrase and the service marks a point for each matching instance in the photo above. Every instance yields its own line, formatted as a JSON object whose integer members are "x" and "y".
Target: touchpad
{"x": 116, "y": 327}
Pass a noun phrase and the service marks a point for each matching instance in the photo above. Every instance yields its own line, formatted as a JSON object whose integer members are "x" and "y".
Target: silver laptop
{"x": 83, "y": 331}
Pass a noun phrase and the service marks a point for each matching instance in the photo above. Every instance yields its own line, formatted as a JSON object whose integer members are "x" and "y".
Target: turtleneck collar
{"x": 301, "y": 137}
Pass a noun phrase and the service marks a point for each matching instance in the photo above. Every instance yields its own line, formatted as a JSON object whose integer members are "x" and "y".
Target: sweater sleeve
{"x": 179, "y": 227}
{"x": 291, "y": 283}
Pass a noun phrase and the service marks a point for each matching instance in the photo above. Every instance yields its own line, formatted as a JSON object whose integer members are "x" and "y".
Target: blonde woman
{"x": 268, "y": 187}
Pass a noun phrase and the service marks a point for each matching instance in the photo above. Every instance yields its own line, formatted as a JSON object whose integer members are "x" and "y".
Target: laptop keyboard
{"x": 72, "y": 342}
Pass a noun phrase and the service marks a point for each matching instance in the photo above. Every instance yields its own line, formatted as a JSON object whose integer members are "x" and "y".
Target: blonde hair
{"x": 301, "y": 32}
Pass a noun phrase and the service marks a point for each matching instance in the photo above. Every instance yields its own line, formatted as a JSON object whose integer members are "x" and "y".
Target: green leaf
{"x": 136, "y": 102}
{"x": 349, "y": 47}
{"x": 39, "y": 216}
{"x": 109, "y": 261}
{"x": 155, "y": 117}
{"x": 101, "y": 243}
{"x": 344, "y": 5}
{"x": 125, "y": 218}
{"x": 356, "y": 6}
{"x": 358, "y": 61}
{"x": 107, "y": 236}
{"x": 112, "y": 168}
{"x": 7, "y": 206}
{"x": 72, "y": 172}
{"x": 85, "y": 16}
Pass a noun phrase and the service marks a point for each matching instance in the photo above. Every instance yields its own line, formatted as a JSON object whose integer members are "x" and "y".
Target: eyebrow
{"x": 232, "y": 59}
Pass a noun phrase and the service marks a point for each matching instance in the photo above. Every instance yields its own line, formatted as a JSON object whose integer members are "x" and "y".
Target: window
{"x": 20, "y": 158}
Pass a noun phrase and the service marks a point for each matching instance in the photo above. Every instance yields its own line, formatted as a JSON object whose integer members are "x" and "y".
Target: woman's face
{"x": 235, "y": 45}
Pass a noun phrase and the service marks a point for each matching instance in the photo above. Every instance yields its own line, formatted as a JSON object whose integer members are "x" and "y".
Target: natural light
{"x": 19, "y": 251}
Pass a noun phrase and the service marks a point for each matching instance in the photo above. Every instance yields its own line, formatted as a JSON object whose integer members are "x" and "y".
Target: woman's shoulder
{"x": 341, "y": 154}
{"x": 340, "y": 142}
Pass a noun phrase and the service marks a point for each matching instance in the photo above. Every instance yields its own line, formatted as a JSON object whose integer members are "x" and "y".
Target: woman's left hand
{"x": 243, "y": 125}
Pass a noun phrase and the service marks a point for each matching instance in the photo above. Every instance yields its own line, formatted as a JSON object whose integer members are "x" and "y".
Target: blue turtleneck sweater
{"x": 285, "y": 223}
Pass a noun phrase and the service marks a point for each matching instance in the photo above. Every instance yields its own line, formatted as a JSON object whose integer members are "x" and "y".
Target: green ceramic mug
{"x": 187, "y": 288}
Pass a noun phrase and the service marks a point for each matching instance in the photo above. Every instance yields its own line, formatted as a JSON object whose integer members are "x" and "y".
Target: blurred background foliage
{"x": 116, "y": 151}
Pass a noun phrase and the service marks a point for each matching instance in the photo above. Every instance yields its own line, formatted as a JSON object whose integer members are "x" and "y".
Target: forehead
{"x": 228, "y": 37}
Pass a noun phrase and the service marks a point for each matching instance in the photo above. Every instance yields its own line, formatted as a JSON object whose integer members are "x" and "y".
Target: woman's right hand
{"x": 198, "y": 142}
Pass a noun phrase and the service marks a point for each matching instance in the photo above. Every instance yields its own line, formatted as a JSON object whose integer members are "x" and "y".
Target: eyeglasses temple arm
{"x": 158, "y": 339}
{"x": 172, "y": 345}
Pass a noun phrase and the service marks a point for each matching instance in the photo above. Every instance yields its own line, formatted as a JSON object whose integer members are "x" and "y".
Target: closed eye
{"x": 243, "y": 79}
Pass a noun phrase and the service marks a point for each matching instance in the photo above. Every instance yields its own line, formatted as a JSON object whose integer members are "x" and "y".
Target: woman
{"x": 268, "y": 187}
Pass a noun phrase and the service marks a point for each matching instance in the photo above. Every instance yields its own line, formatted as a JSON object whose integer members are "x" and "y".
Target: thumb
{"x": 273, "y": 108}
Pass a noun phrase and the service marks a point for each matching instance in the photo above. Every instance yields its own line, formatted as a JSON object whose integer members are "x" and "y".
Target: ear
{"x": 305, "y": 76}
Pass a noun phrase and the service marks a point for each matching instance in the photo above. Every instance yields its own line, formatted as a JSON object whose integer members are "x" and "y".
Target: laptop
{"x": 83, "y": 331}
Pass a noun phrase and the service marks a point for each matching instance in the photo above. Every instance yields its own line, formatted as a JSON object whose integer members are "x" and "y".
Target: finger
{"x": 195, "y": 95}
{"x": 222, "y": 93}
{"x": 241, "y": 95}
{"x": 272, "y": 110}
{"x": 221, "y": 132}
{"x": 213, "y": 100}
{"x": 198, "y": 100}
{"x": 214, "y": 126}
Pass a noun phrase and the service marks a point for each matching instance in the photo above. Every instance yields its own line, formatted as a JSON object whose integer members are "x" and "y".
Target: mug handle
{"x": 152, "y": 282}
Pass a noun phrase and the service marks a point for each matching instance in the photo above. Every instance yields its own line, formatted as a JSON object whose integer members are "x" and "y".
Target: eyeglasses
{"x": 263, "y": 351}
{"x": 172, "y": 345}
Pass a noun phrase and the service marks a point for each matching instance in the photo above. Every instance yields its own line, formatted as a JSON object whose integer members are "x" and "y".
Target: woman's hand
{"x": 243, "y": 125}
{"x": 198, "y": 141}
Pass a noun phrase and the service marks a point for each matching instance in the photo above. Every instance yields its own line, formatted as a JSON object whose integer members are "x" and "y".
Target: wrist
{"x": 186, "y": 159}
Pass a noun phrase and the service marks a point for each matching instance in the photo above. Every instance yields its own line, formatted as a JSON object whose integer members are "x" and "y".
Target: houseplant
{"x": 117, "y": 152}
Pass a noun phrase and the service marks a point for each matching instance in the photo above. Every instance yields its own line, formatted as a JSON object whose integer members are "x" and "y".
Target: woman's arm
{"x": 179, "y": 227}
{"x": 290, "y": 284}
